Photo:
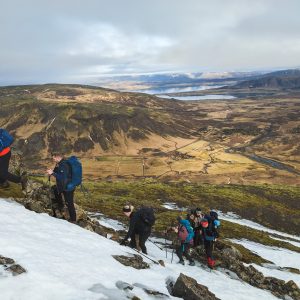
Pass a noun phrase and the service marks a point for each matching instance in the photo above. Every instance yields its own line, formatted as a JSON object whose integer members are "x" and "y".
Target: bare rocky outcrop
{"x": 229, "y": 258}
{"x": 135, "y": 261}
{"x": 189, "y": 289}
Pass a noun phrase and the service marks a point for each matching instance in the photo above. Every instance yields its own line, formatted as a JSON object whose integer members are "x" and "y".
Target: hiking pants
{"x": 209, "y": 246}
{"x": 4, "y": 173}
{"x": 197, "y": 238}
{"x": 69, "y": 200}
{"x": 142, "y": 237}
{"x": 184, "y": 250}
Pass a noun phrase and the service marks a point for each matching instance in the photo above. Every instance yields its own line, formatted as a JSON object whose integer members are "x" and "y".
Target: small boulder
{"x": 16, "y": 269}
{"x": 187, "y": 288}
{"x": 135, "y": 261}
{"x": 6, "y": 260}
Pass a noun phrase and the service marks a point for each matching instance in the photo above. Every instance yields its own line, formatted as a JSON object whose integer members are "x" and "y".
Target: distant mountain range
{"x": 160, "y": 81}
{"x": 286, "y": 79}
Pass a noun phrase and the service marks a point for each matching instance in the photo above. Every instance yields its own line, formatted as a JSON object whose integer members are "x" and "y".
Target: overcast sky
{"x": 75, "y": 40}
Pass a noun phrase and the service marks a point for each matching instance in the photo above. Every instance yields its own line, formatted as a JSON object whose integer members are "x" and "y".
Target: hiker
{"x": 195, "y": 217}
{"x": 185, "y": 237}
{"x": 209, "y": 228}
{"x": 140, "y": 226}
{"x": 65, "y": 187}
{"x": 5, "y": 154}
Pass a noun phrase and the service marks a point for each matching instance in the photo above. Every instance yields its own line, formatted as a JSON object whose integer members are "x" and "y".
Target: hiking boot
{"x": 4, "y": 185}
{"x": 192, "y": 263}
{"x": 181, "y": 262}
{"x": 210, "y": 262}
{"x": 58, "y": 214}
{"x": 65, "y": 213}
{"x": 24, "y": 181}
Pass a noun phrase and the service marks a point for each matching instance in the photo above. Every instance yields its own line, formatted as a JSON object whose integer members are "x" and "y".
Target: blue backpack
{"x": 76, "y": 173}
{"x": 5, "y": 139}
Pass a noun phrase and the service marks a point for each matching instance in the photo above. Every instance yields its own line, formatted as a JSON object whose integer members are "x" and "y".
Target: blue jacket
{"x": 189, "y": 228}
{"x": 62, "y": 172}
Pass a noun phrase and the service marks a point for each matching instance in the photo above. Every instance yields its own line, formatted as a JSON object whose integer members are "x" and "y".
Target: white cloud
{"x": 63, "y": 40}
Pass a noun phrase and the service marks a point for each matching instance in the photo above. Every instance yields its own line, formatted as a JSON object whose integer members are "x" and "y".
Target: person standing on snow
{"x": 195, "y": 217}
{"x": 209, "y": 228}
{"x": 140, "y": 225}
{"x": 185, "y": 236}
{"x": 63, "y": 174}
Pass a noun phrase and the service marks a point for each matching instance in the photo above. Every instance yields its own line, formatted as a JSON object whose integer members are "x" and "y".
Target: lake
{"x": 162, "y": 90}
{"x": 205, "y": 97}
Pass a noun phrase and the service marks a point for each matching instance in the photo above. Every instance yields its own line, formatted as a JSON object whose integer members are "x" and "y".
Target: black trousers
{"x": 197, "y": 238}
{"x": 209, "y": 246}
{"x": 184, "y": 250}
{"x": 58, "y": 202}
{"x": 143, "y": 237}
{"x": 4, "y": 174}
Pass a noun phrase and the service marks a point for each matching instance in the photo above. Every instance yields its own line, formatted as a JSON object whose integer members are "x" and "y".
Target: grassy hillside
{"x": 133, "y": 135}
{"x": 275, "y": 206}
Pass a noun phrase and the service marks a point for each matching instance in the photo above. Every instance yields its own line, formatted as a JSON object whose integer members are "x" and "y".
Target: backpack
{"x": 5, "y": 139}
{"x": 214, "y": 216}
{"x": 147, "y": 215}
{"x": 76, "y": 173}
{"x": 210, "y": 233}
{"x": 182, "y": 233}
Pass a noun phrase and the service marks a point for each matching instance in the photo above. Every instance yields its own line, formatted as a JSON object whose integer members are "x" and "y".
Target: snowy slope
{"x": 64, "y": 261}
{"x": 232, "y": 217}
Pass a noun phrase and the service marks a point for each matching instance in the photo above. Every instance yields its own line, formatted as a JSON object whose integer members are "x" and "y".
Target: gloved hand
{"x": 123, "y": 242}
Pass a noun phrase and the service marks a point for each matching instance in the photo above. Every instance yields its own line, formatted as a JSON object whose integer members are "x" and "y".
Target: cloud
{"x": 69, "y": 41}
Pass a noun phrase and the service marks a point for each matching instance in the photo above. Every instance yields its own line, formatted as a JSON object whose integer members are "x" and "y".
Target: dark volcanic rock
{"x": 135, "y": 261}
{"x": 187, "y": 288}
{"x": 231, "y": 259}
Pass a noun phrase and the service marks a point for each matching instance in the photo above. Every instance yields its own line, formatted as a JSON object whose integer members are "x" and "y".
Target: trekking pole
{"x": 49, "y": 185}
{"x": 35, "y": 175}
{"x": 141, "y": 253}
{"x": 166, "y": 244}
{"x": 172, "y": 256}
{"x": 156, "y": 245}
{"x": 85, "y": 192}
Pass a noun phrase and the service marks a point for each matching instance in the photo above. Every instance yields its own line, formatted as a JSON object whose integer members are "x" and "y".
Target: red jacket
{"x": 4, "y": 151}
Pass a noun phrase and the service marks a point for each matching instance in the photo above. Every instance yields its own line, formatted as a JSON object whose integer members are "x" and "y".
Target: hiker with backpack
{"x": 209, "y": 228}
{"x": 5, "y": 154}
{"x": 185, "y": 236}
{"x": 195, "y": 217}
{"x": 140, "y": 225}
{"x": 68, "y": 174}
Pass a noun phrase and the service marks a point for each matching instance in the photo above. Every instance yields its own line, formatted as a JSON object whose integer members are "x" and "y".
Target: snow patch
{"x": 66, "y": 262}
{"x": 279, "y": 256}
{"x": 232, "y": 217}
{"x": 107, "y": 222}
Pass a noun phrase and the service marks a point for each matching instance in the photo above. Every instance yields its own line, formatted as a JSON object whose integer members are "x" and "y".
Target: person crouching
{"x": 140, "y": 225}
